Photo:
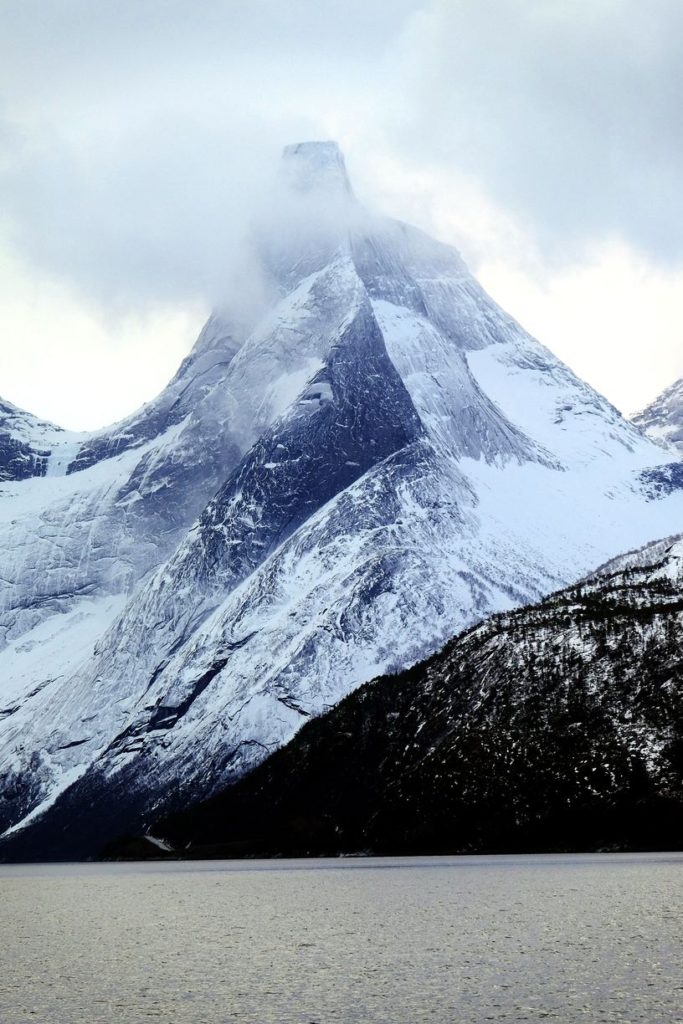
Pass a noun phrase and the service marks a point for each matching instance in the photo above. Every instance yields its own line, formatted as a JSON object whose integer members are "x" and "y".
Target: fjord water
{"x": 572, "y": 938}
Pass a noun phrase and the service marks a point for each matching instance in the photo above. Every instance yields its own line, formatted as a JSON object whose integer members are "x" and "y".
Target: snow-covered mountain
{"x": 380, "y": 457}
{"x": 663, "y": 418}
{"x": 84, "y": 516}
{"x": 25, "y": 443}
{"x": 557, "y": 726}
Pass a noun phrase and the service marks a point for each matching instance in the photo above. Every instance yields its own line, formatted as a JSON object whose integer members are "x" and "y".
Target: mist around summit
{"x": 359, "y": 458}
{"x": 333, "y": 555}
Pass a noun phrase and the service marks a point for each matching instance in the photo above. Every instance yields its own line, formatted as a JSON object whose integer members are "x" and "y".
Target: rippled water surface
{"x": 466, "y": 939}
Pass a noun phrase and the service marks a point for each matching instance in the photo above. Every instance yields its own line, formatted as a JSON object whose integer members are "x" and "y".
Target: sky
{"x": 542, "y": 138}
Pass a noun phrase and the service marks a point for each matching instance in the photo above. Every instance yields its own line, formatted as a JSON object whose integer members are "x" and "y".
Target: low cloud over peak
{"x": 138, "y": 139}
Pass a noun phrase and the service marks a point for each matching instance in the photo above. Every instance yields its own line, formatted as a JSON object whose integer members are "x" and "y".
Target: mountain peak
{"x": 316, "y": 166}
{"x": 663, "y": 418}
{"x": 384, "y": 457}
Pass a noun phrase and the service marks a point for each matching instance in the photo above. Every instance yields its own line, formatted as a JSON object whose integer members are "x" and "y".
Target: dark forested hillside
{"x": 558, "y": 726}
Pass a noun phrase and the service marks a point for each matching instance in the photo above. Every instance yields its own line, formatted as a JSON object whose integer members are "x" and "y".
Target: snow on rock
{"x": 663, "y": 419}
{"x": 380, "y": 459}
{"x": 27, "y": 443}
{"x": 556, "y": 726}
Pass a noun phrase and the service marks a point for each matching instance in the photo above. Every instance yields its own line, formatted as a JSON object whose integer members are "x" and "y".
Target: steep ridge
{"x": 79, "y": 536}
{"x": 663, "y": 418}
{"x": 26, "y": 443}
{"x": 185, "y": 395}
{"x": 559, "y": 726}
{"x": 399, "y": 459}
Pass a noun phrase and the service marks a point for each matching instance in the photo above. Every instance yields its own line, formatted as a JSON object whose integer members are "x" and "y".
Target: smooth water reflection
{"x": 397, "y": 941}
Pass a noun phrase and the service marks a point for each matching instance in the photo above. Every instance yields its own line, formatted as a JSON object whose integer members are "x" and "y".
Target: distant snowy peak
{"x": 202, "y": 370}
{"x": 663, "y": 418}
{"x": 30, "y": 447}
{"x": 657, "y": 560}
{"x": 26, "y": 443}
{"x": 24, "y": 424}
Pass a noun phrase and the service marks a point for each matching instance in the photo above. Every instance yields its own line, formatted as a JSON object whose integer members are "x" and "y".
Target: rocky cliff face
{"x": 559, "y": 726}
{"x": 663, "y": 418}
{"x": 380, "y": 457}
{"x": 26, "y": 443}
{"x": 555, "y": 727}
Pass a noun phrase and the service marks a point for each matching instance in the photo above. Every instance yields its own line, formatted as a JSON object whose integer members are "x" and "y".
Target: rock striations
{"x": 559, "y": 726}
{"x": 374, "y": 458}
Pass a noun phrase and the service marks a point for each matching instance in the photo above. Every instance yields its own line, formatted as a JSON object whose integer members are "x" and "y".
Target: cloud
{"x": 156, "y": 217}
{"x": 615, "y": 319}
{"x": 138, "y": 138}
{"x": 566, "y": 113}
{"x": 138, "y": 142}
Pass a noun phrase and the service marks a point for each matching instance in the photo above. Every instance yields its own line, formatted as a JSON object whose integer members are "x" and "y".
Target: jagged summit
{"x": 316, "y": 166}
{"x": 663, "y": 418}
{"x": 319, "y": 496}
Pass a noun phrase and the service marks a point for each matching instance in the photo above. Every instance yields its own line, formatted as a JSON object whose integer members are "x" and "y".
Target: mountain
{"x": 663, "y": 418}
{"x": 26, "y": 443}
{"x": 362, "y": 459}
{"x": 83, "y": 517}
{"x": 559, "y": 726}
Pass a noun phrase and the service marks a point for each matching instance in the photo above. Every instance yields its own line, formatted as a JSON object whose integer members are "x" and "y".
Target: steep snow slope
{"x": 126, "y": 496}
{"x": 556, "y": 726}
{"x": 104, "y": 509}
{"x": 663, "y": 418}
{"x": 399, "y": 459}
{"x": 559, "y": 726}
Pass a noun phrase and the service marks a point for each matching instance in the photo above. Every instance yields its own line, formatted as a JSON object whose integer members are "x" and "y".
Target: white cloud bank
{"x": 542, "y": 138}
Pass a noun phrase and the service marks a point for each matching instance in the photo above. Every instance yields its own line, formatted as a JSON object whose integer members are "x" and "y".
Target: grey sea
{"x": 443, "y": 939}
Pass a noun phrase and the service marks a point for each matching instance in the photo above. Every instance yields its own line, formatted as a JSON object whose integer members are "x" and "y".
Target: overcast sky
{"x": 542, "y": 137}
